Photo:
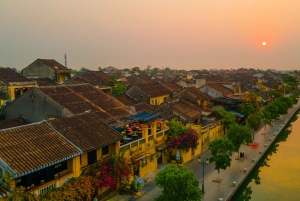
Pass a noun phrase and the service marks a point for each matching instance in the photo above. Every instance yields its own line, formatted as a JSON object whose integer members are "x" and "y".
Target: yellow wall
{"x": 62, "y": 77}
{"x": 158, "y": 100}
{"x": 260, "y": 84}
{"x": 11, "y": 90}
{"x": 147, "y": 151}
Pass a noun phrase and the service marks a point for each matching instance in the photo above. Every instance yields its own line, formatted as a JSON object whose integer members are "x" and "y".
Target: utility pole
{"x": 65, "y": 60}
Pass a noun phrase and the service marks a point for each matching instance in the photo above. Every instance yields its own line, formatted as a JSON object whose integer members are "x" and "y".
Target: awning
{"x": 161, "y": 146}
{"x": 145, "y": 117}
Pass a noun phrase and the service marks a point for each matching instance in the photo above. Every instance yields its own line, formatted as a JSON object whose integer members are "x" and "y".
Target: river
{"x": 277, "y": 175}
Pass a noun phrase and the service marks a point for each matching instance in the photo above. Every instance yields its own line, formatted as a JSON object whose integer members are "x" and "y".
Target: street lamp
{"x": 203, "y": 163}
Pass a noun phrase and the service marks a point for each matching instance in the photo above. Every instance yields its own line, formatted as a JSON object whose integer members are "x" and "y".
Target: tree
{"x": 154, "y": 71}
{"x": 275, "y": 94}
{"x": 286, "y": 100}
{"x": 227, "y": 118}
{"x": 282, "y": 106}
{"x": 272, "y": 111}
{"x": 239, "y": 135}
{"x": 84, "y": 70}
{"x": 248, "y": 108}
{"x": 73, "y": 71}
{"x": 254, "y": 122}
{"x": 119, "y": 89}
{"x": 136, "y": 68}
{"x": 221, "y": 151}
{"x": 178, "y": 184}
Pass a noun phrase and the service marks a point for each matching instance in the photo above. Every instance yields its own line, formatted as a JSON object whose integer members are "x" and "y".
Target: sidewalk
{"x": 237, "y": 172}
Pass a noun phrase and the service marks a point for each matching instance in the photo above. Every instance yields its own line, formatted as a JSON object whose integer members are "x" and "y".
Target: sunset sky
{"x": 180, "y": 34}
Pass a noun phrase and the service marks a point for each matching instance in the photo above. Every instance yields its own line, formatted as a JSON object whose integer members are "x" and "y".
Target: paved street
{"x": 235, "y": 173}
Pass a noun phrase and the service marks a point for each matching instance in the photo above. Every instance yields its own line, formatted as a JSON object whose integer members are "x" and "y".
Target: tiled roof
{"x": 32, "y": 146}
{"x": 53, "y": 64}
{"x": 217, "y": 79}
{"x": 96, "y": 78}
{"x": 140, "y": 107}
{"x": 218, "y": 87}
{"x": 204, "y": 111}
{"x": 172, "y": 87}
{"x": 10, "y": 75}
{"x": 12, "y": 123}
{"x": 44, "y": 81}
{"x": 154, "y": 89}
{"x": 199, "y": 94}
{"x": 80, "y": 98}
{"x": 75, "y": 80}
{"x": 86, "y": 131}
{"x": 185, "y": 109}
{"x": 126, "y": 99}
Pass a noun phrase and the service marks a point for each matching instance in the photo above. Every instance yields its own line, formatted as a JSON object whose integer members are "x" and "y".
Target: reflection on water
{"x": 276, "y": 176}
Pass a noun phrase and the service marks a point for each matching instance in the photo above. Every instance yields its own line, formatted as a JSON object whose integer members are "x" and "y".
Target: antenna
{"x": 66, "y": 60}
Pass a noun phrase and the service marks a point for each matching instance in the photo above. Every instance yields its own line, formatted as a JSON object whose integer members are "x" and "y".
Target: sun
{"x": 264, "y": 43}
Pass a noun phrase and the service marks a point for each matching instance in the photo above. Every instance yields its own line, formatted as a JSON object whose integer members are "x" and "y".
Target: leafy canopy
{"x": 221, "y": 151}
{"x": 179, "y": 184}
{"x": 239, "y": 135}
{"x": 227, "y": 118}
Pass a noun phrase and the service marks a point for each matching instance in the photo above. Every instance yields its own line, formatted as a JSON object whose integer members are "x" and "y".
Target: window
{"x": 44, "y": 190}
{"x": 105, "y": 150}
{"x": 1, "y": 172}
{"x": 92, "y": 157}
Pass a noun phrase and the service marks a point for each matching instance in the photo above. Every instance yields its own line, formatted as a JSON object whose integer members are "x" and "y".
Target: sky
{"x": 179, "y": 34}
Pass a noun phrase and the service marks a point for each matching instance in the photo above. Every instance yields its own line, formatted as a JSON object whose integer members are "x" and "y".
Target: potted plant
{"x": 136, "y": 187}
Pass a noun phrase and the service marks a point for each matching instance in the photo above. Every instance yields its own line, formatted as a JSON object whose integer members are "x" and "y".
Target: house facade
{"x": 13, "y": 84}
{"x": 58, "y": 150}
{"x": 153, "y": 94}
{"x": 42, "y": 68}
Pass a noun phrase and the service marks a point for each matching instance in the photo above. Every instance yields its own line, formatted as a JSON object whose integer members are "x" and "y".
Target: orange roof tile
{"x": 29, "y": 147}
{"x": 80, "y": 98}
{"x": 9, "y": 75}
{"x": 86, "y": 131}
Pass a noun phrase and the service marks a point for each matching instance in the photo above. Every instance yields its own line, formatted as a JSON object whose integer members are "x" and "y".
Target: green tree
{"x": 227, "y": 118}
{"x": 111, "y": 83}
{"x": 179, "y": 184}
{"x": 286, "y": 100}
{"x": 248, "y": 108}
{"x": 275, "y": 94}
{"x": 270, "y": 113}
{"x": 119, "y": 89}
{"x": 73, "y": 71}
{"x": 154, "y": 71}
{"x": 84, "y": 70}
{"x": 136, "y": 68}
{"x": 239, "y": 135}
{"x": 221, "y": 151}
{"x": 282, "y": 106}
{"x": 254, "y": 122}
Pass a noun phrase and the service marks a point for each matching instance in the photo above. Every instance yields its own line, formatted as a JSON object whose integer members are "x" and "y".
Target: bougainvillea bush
{"x": 105, "y": 173}
{"x": 182, "y": 137}
{"x": 109, "y": 172}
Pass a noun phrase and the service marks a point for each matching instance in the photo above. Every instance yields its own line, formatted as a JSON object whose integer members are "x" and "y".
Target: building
{"x": 153, "y": 94}
{"x": 98, "y": 79}
{"x": 44, "y": 103}
{"x": 13, "y": 84}
{"x": 44, "y": 155}
{"x": 42, "y": 68}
